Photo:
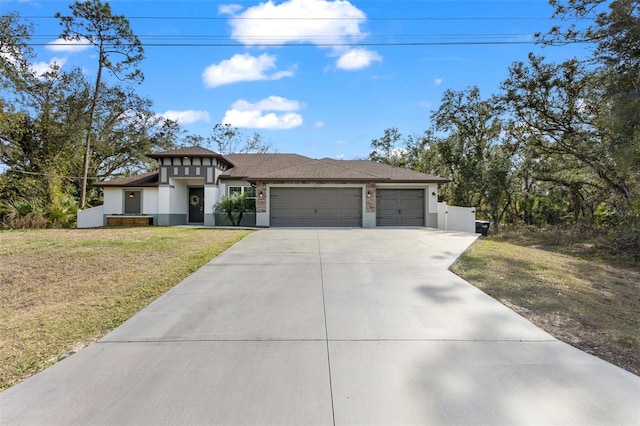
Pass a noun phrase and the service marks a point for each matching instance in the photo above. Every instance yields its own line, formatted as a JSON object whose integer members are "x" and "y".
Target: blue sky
{"x": 321, "y": 87}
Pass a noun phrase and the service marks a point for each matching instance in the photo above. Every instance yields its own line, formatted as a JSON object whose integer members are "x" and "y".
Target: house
{"x": 289, "y": 190}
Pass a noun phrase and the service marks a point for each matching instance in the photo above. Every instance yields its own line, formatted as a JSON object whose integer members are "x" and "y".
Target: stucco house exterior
{"x": 290, "y": 190}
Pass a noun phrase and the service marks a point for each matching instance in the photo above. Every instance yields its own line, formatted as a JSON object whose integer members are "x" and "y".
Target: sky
{"x": 320, "y": 78}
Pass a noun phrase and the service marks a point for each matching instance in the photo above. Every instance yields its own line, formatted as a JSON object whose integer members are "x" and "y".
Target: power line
{"x": 359, "y": 44}
{"x": 400, "y": 18}
{"x": 50, "y": 174}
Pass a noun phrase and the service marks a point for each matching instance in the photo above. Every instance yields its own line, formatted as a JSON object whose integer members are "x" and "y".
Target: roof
{"x": 294, "y": 167}
{"x": 288, "y": 168}
{"x": 146, "y": 179}
{"x": 386, "y": 171}
{"x": 191, "y": 151}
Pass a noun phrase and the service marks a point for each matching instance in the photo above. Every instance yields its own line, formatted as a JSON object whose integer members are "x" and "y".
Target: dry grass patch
{"x": 63, "y": 289}
{"x": 589, "y": 303}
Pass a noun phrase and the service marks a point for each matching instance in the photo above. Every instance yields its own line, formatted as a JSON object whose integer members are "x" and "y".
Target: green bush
{"x": 234, "y": 206}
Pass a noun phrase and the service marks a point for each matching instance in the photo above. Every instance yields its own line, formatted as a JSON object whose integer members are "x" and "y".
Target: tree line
{"x": 62, "y": 130}
{"x": 558, "y": 144}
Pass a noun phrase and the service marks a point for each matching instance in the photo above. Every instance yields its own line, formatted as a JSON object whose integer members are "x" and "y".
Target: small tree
{"x": 234, "y": 206}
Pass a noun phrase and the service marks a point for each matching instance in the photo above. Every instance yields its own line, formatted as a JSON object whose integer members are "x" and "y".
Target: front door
{"x": 196, "y": 205}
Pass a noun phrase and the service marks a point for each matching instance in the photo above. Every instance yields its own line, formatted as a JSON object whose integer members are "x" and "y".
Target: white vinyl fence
{"x": 91, "y": 218}
{"x": 453, "y": 218}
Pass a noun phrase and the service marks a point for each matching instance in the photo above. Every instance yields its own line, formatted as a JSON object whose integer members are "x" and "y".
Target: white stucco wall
{"x": 178, "y": 194}
{"x": 113, "y": 201}
{"x": 432, "y": 204}
{"x": 164, "y": 199}
{"x": 91, "y": 218}
{"x": 150, "y": 201}
{"x": 211, "y": 197}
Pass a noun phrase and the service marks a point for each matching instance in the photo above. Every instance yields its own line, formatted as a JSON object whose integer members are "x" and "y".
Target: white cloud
{"x": 10, "y": 57}
{"x": 269, "y": 23}
{"x": 40, "y": 68}
{"x": 229, "y": 9}
{"x": 397, "y": 152}
{"x": 357, "y": 58}
{"x": 318, "y": 124}
{"x": 283, "y": 23}
{"x": 71, "y": 46}
{"x": 186, "y": 117}
{"x": 272, "y": 103}
{"x": 260, "y": 115}
{"x": 340, "y": 157}
{"x": 437, "y": 82}
{"x": 243, "y": 68}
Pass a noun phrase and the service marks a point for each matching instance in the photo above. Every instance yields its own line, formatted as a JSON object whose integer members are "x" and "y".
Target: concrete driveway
{"x": 344, "y": 327}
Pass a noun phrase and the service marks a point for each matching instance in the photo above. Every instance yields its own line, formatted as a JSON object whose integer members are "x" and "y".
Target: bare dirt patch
{"x": 63, "y": 289}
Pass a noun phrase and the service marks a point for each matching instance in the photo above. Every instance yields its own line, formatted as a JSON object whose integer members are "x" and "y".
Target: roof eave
{"x": 327, "y": 179}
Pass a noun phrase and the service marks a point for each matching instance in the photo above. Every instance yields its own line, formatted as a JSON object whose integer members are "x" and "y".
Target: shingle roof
{"x": 146, "y": 179}
{"x": 293, "y": 167}
{"x": 245, "y": 165}
{"x": 288, "y": 168}
{"x": 191, "y": 151}
{"x": 386, "y": 171}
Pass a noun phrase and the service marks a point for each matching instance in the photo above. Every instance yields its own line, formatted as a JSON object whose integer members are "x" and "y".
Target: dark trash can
{"x": 482, "y": 227}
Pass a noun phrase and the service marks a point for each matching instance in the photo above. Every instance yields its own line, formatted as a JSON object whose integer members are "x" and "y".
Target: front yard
{"x": 63, "y": 289}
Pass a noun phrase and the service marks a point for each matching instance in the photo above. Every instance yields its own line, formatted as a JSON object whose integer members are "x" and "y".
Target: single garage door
{"x": 316, "y": 207}
{"x": 400, "y": 207}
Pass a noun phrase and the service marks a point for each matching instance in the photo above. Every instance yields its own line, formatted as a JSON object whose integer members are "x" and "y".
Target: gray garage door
{"x": 400, "y": 207}
{"x": 316, "y": 207}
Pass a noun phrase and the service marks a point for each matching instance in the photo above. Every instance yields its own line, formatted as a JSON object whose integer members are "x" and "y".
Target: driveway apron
{"x": 328, "y": 327}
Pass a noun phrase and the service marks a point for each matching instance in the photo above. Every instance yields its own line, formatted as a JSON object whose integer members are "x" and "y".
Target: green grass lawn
{"x": 590, "y": 303}
{"x": 63, "y": 289}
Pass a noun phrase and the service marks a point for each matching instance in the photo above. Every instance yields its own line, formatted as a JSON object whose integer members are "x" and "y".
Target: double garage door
{"x": 316, "y": 207}
{"x": 400, "y": 207}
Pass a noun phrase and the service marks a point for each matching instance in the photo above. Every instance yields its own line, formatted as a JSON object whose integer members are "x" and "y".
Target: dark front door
{"x": 196, "y": 205}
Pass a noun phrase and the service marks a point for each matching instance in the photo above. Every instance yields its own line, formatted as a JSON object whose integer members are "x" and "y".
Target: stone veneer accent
{"x": 261, "y": 203}
{"x": 371, "y": 200}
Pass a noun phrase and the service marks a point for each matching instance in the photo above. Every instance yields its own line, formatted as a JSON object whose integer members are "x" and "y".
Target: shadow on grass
{"x": 590, "y": 304}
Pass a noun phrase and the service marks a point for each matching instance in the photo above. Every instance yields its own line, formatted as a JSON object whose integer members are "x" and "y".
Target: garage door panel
{"x": 387, "y": 203}
{"x": 411, "y": 204}
{"x": 304, "y": 221}
{"x": 316, "y": 207}
{"x": 304, "y": 211}
{"x": 400, "y": 207}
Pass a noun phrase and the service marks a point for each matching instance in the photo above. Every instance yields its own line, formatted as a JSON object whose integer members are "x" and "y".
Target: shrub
{"x": 234, "y": 206}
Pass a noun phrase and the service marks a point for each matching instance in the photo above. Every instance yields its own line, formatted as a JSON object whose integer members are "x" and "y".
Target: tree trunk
{"x": 87, "y": 143}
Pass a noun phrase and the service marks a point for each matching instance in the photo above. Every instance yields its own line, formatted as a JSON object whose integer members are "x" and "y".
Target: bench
{"x": 129, "y": 220}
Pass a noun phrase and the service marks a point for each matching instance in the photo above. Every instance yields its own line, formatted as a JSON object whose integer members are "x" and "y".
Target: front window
{"x": 249, "y": 190}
